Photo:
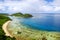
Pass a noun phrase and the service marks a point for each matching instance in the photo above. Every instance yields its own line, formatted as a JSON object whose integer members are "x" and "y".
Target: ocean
{"x": 40, "y": 21}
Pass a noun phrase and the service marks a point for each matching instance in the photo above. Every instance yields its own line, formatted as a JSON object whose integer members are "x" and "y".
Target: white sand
{"x": 35, "y": 34}
{"x": 5, "y": 28}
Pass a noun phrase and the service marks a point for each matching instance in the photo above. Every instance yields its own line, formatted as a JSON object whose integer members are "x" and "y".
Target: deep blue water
{"x": 49, "y": 22}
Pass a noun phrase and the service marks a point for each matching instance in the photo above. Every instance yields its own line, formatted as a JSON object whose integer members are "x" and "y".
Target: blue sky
{"x": 30, "y": 6}
{"x": 49, "y": 0}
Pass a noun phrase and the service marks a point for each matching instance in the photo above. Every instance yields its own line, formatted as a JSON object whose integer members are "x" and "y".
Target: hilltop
{"x": 19, "y": 14}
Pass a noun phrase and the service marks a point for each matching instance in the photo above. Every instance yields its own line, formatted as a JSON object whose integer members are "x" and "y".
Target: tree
{"x": 17, "y": 14}
{"x": 27, "y": 15}
{"x": 3, "y": 19}
{"x": 9, "y": 38}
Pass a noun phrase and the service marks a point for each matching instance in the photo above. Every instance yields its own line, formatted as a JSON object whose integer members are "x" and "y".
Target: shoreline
{"x": 4, "y": 27}
{"x": 32, "y": 34}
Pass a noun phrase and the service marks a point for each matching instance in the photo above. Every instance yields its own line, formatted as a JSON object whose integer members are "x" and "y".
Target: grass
{"x": 3, "y": 19}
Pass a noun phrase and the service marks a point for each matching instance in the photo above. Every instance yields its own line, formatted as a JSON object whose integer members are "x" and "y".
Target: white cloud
{"x": 2, "y": 8}
{"x": 56, "y": 3}
{"x": 46, "y": 8}
{"x": 31, "y": 6}
{"x": 57, "y": 9}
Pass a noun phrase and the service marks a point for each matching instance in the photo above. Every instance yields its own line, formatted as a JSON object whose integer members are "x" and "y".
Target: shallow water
{"x": 31, "y": 28}
{"x": 48, "y": 22}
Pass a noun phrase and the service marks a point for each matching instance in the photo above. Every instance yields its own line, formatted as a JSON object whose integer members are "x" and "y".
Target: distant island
{"x": 19, "y": 14}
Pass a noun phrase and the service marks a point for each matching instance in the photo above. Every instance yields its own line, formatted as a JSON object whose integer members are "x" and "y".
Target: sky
{"x": 30, "y": 6}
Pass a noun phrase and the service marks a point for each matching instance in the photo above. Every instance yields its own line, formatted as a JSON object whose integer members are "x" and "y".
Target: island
{"x": 19, "y": 14}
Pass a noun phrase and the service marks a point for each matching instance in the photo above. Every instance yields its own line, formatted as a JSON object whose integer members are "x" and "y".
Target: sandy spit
{"x": 5, "y": 28}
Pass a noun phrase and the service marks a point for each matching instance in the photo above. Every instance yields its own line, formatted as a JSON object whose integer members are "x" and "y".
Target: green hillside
{"x": 3, "y": 19}
{"x": 26, "y": 15}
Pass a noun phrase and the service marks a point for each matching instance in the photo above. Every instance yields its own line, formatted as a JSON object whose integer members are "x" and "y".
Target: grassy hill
{"x": 3, "y": 19}
{"x": 26, "y": 15}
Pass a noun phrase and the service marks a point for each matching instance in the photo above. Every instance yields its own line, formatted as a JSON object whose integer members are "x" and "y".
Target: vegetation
{"x": 44, "y": 38}
{"x": 19, "y": 32}
{"x": 3, "y": 19}
{"x": 17, "y": 14}
{"x": 26, "y": 15}
{"x": 5, "y": 14}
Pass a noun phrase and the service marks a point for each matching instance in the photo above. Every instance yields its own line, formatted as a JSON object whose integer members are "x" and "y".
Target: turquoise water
{"x": 49, "y": 22}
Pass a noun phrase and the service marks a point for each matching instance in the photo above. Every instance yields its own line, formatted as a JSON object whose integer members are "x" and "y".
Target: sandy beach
{"x": 4, "y": 27}
{"x": 29, "y": 34}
